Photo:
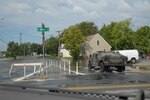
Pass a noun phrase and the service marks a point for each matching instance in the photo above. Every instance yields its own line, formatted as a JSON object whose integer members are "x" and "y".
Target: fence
{"x": 24, "y": 65}
{"x": 62, "y": 66}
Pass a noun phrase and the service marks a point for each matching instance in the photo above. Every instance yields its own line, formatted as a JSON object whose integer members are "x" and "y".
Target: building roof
{"x": 90, "y": 37}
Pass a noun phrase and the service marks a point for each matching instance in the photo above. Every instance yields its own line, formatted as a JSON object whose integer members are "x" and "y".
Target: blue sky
{"x": 24, "y": 16}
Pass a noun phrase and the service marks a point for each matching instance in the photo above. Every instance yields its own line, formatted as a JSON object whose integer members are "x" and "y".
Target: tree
{"x": 118, "y": 34}
{"x": 73, "y": 40}
{"x": 34, "y": 47}
{"x": 142, "y": 41}
{"x": 87, "y": 28}
{"x": 52, "y": 45}
{"x": 13, "y": 49}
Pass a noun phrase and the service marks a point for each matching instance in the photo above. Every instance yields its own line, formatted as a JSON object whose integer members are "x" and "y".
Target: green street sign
{"x": 46, "y": 29}
{"x": 40, "y": 29}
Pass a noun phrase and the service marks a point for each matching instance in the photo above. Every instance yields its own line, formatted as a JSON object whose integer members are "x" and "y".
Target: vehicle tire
{"x": 102, "y": 67}
{"x": 121, "y": 69}
{"x": 133, "y": 60}
{"x": 107, "y": 69}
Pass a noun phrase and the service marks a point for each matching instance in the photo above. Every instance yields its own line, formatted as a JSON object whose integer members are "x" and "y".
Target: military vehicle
{"x": 106, "y": 61}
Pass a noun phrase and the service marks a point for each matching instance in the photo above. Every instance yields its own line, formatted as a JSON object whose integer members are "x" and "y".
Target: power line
{"x": 4, "y": 41}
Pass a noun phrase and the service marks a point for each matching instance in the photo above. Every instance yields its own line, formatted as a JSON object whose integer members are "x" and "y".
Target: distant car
{"x": 104, "y": 61}
{"x": 148, "y": 56}
{"x": 132, "y": 55}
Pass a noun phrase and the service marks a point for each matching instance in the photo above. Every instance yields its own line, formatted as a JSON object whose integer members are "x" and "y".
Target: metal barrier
{"x": 65, "y": 66}
{"x": 35, "y": 71}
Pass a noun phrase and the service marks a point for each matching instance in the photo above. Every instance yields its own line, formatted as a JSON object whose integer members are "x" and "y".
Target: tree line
{"x": 119, "y": 35}
{"x": 15, "y": 49}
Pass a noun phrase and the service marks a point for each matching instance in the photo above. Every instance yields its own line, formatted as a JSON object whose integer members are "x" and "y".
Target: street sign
{"x": 40, "y": 29}
{"x": 46, "y": 29}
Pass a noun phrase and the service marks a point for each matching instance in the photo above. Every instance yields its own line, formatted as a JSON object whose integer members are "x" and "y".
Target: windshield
{"x": 53, "y": 45}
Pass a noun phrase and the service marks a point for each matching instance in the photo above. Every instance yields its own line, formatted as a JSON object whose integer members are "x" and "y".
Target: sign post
{"x": 43, "y": 29}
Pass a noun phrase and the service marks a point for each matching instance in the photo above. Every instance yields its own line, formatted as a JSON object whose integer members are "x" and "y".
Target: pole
{"x": 24, "y": 71}
{"x": 58, "y": 42}
{"x": 20, "y": 44}
{"x": 20, "y": 38}
{"x": 77, "y": 68}
{"x": 69, "y": 68}
{"x": 43, "y": 41}
{"x": 24, "y": 50}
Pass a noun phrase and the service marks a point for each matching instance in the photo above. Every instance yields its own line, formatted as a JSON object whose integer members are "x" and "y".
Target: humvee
{"x": 106, "y": 61}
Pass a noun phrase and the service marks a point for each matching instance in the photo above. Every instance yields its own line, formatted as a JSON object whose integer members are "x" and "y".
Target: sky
{"x": 24, "y": 16}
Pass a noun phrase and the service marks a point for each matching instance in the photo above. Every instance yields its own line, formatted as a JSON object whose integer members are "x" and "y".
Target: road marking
{"x": 106, "y": 87}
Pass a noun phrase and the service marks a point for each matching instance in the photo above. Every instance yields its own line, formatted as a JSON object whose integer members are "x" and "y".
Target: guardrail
{"x": 35, "y": 71}
{"x": 63, "y": 67}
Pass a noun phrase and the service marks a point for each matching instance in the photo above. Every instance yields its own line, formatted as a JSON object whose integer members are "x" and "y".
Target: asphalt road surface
{"x": 127, "y": 83}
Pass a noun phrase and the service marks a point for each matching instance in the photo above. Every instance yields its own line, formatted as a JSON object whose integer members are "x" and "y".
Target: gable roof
{"x": 89, "y": 38}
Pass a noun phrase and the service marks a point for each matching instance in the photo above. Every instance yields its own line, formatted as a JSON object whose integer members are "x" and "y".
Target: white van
{"x": 132, "y": 55}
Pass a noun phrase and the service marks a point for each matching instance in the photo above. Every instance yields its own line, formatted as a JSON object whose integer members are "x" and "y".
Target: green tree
{"x": 73, "y": 40}
{"x": 34, "y": 47}
{"x": 142, "y": 41}
{"x": 87, "y": 28}
{"x": 13, "y": 49}
{"x": 28, "y": 48}
{"x": 52, "y": 45}
{"x": 118, "y": 34}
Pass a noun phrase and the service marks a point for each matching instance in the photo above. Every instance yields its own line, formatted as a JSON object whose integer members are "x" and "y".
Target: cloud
{"x": 77, "y": 9}
{"x": 44, "y": 12}
{"x": 15, "y": 8}
{"x": 25, "y": 15}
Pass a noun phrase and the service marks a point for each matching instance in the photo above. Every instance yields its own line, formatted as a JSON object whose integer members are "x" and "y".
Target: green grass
{"x": 55, "y": 56}
{"x": 144, "y": 69}
{"x": 6, "y": 57}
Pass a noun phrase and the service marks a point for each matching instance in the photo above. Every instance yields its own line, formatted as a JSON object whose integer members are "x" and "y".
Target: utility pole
{"x": 20, "y": 44}
{"x": 43, "y": 41}
{"x": 58, "y": 42}
{"x": 43, "y": 29}
{"x": 20, "y": 38}
{"x": 24, "y": 50}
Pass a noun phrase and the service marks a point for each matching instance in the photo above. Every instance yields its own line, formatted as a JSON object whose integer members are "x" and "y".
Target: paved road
{"x": 14, "y": 94}
{"x": 127, "y": 83}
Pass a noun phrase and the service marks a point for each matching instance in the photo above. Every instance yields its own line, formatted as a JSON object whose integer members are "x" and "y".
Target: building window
{"x": 97, "y": 42}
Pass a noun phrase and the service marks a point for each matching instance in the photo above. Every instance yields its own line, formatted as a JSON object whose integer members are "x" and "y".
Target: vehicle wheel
{"x": 102, "y": 67}
{"x": 107, "y": 69}
{"x": 121, "y": 69}
{"x": 133, "y": 60}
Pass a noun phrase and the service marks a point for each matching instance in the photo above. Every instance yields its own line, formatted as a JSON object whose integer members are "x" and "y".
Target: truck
{"x": 106, "y": 61}
{"x": 132, "y": 55}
